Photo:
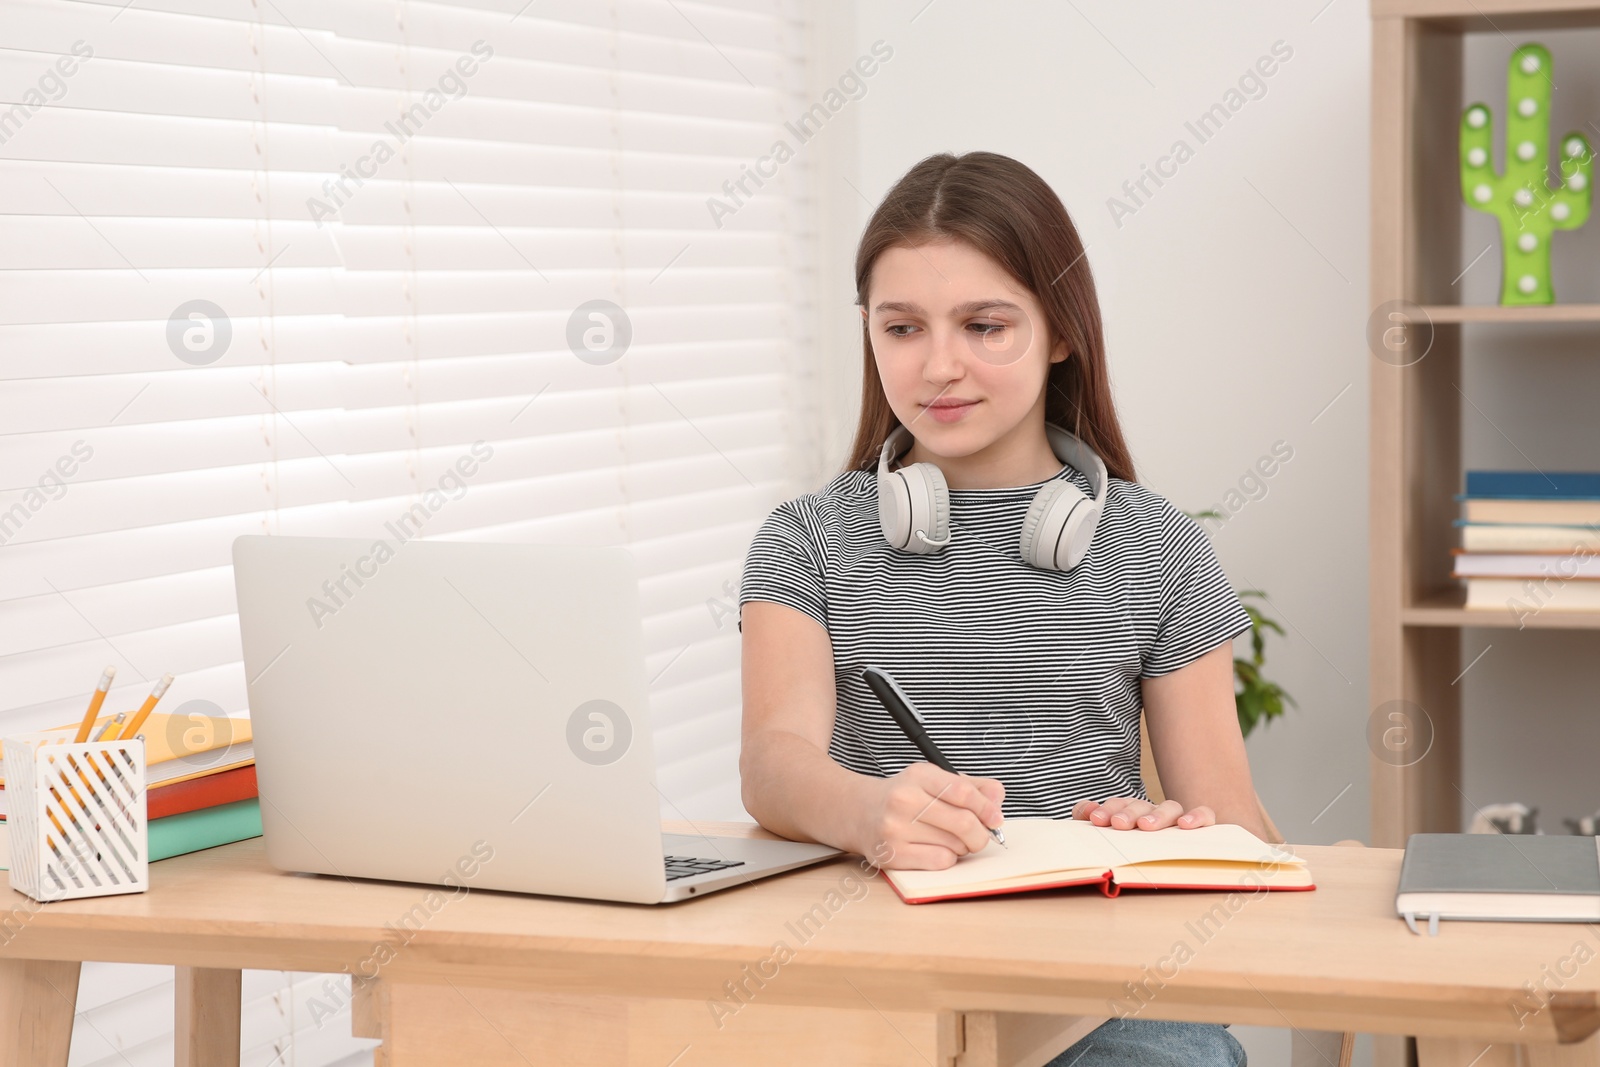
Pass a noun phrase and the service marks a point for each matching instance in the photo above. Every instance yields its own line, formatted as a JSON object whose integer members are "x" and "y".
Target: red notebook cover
{"x": 206, "y": 791}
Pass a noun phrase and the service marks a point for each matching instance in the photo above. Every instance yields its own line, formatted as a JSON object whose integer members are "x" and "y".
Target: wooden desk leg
{"x": 369, "y": 1010}
{"x": 38, "y": 999}
{"x": 1008, "y": 1039}
{"x": 206, "y": 1030}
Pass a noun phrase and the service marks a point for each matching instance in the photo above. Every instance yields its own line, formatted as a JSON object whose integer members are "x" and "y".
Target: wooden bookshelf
{"x": 1490, "y": 16}
{"x": 1444, "y": 608}
{"x": 1493, "y": 313}
{"x": 1415, "y": 606}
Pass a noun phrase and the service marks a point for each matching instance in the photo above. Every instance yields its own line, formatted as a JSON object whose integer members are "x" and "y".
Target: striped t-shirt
{"x": 1025, "y": 675}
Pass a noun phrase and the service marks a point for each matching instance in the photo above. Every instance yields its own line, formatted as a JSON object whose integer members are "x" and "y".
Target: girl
{"x": 980, "y": 325}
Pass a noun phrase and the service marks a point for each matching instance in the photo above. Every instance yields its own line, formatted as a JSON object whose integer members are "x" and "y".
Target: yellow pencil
{"x": 144, "y": 712}
{"x": 105, "y": 731}
{"x": 94, "y": 706}
{"x": 48, "y": 839}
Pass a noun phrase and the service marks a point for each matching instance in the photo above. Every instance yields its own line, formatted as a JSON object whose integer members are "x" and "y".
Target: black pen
{"x": 904, "y": 713}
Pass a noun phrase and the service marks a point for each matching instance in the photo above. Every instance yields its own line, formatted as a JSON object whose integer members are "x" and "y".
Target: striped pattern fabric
{"x": 1025, "y": 675}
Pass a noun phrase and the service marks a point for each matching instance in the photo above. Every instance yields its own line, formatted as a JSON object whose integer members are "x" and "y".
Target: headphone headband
{"x": 1069, "y": 448}
{"x": 891, "y": 450}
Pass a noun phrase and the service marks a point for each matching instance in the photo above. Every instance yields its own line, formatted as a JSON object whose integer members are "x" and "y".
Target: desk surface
{"x": 1333, "y": 958}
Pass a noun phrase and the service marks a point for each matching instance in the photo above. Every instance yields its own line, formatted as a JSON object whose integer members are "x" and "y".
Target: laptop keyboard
{"x": 688, "y": 866}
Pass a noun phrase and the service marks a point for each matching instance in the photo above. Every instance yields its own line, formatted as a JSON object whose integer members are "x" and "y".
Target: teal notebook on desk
{"x": 190, "y": 831}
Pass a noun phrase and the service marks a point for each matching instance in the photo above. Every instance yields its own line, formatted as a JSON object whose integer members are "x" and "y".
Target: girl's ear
{"x": 1060, "y": 352}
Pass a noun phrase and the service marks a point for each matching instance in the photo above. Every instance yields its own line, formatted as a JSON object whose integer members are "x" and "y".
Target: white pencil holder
{"x": 78, "y": 824}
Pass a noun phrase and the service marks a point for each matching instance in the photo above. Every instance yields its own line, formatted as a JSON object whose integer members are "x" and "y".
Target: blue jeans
{"x": 1154, "y": 1043}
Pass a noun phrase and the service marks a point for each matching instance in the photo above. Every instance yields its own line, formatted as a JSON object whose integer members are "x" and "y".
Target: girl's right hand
{"x": 926, "y": 818}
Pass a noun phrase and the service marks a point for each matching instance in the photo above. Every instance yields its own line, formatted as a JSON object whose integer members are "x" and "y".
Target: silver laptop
{"x": 466, "y": 714}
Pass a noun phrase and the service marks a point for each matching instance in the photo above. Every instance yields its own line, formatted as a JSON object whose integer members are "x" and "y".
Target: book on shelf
{"x": 1052, "y": 853}
{"x": 1500, "y": 594}
{"x": 1580, "y": 513}
{"x": 1533, "y": 485}
{"x": 1527, "y": 536}
{"x": 1563, "y": 565}
{"x": 1530, "y": 539}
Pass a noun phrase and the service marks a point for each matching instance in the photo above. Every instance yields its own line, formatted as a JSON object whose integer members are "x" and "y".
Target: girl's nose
{"x": 945, "y": 355}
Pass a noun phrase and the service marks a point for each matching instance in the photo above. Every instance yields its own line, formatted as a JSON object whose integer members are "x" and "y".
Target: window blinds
{"x": 276, "y": 266}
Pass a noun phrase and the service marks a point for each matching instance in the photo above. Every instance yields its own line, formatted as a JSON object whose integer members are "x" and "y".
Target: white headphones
{"x": 914, "y": 504}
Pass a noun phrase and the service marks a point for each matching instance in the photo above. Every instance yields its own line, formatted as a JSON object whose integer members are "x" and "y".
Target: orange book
{"x": 206, "y": 791}
{"x": 177, "y": 748}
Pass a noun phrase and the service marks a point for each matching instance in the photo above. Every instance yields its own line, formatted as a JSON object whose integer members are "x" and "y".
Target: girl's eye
{"x": 982, "y": 329}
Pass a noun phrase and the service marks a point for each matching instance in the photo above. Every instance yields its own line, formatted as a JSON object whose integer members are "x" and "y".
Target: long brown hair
{"x": 1005, "y": 210}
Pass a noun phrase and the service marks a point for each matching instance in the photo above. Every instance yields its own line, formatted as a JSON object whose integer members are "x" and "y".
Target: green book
{"x": 191, "y": 831}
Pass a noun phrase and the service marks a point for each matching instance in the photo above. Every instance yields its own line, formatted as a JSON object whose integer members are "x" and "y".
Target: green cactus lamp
{"x": 1528, "y": 208}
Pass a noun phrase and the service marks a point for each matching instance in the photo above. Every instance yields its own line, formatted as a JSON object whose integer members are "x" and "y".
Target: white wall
{"x": 1234, "y": 298}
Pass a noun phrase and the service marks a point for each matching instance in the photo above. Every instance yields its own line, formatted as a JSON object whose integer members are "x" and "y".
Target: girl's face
{"x": 960, "y": 346}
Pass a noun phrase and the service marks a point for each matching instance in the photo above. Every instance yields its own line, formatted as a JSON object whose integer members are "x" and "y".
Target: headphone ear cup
{"x": 894, "y": 508}
{"x": 910, "y": 499}
{"x": 1079, "y": 533}
{"x": 938, "y": 507}
{"x": 1058, "y": 527}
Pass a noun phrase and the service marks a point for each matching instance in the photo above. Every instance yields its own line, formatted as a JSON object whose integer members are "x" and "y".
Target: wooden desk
{"x": 498, "y": 978}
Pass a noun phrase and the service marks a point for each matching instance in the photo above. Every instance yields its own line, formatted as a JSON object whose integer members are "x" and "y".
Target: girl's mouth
{"x": 950, "y": 411}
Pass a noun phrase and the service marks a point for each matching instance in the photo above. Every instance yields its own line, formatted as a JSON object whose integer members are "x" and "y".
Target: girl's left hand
{"x": 1129, "y": 813}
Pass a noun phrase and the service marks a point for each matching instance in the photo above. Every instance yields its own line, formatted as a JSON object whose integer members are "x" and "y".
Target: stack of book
{"x": 200, "y": 786}
{"x": 1530, "y": 540}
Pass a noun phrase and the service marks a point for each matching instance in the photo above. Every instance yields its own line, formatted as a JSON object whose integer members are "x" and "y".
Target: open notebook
{"x": 1046, "y": 853}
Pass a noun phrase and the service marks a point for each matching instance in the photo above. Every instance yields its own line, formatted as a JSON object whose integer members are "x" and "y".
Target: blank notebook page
{"x": 1078, "y": 847}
